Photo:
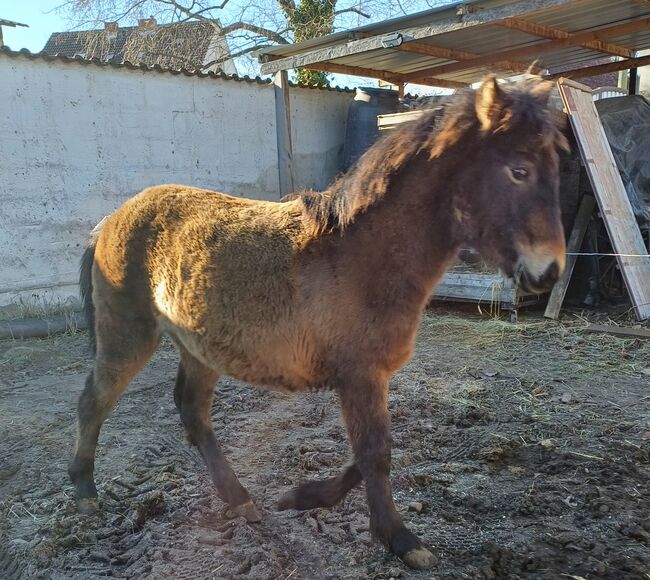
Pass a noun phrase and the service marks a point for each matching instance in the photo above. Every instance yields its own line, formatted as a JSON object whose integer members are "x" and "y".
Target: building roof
{"x": 456, "y": 44}
{"x": 5, "y": 51}
{"x": 177, "y": 46}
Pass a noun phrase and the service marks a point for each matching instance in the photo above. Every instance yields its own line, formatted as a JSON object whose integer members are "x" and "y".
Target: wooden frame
{"x": 612, "y": 198}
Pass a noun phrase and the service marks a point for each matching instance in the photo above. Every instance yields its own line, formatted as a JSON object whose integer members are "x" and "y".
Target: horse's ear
{"x": 542, "y": 91}
{"x": 490, "y": 103}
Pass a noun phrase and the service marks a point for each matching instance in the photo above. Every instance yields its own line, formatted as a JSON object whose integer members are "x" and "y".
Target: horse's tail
{"x": 86, "y": 284}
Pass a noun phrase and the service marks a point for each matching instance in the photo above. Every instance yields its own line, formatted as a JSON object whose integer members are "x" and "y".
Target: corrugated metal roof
{"x": 483, "y": 38}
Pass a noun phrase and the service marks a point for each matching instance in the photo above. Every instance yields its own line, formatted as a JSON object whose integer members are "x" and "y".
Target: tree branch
{"x": 234, "y": 55}
{"x": 352, "y": 9}
{"x": 191, "y": 13}
{"x": 259, "y": 30}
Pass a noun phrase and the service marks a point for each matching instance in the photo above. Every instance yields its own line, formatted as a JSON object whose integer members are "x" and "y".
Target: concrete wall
{"x": 77, "y": 140}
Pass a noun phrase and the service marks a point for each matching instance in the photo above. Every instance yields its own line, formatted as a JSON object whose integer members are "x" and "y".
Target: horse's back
{"x": 213, "y": 270}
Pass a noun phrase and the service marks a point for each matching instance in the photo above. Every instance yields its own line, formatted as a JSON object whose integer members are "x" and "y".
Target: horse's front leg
{"x": 365, "y": 410}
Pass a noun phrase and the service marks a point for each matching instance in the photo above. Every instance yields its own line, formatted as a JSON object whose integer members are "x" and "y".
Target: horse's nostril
{"x": 549, "y": 278}
{"x": 552, "y": 273}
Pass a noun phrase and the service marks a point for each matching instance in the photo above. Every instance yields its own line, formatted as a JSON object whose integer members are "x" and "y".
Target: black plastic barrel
{"x": 361, "y": 131}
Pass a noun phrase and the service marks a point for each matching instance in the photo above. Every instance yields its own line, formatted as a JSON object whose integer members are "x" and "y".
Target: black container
{"x": 361, "y": 131}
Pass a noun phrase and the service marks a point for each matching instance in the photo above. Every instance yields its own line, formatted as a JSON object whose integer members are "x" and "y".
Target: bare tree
{"x": 246, "y": 26}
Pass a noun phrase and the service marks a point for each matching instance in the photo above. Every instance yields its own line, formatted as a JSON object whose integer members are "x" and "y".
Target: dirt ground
{"x": 527, "y": 448}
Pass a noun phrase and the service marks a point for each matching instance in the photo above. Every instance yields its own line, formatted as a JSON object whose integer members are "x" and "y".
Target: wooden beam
{"x": 612, "y": 198}
{"x": 444, "y": 84}
{"x": 587, "y": 206}
{"x": 556, "y": 34}
{"x": 533, "y": 49}
{"x": 455, "y": 54}
{"x": 393, "y": 78}
{"x": 601, "y": 69}
{"x": 283, "y": 132}
{"x": 411, "y": 34}
{"x": 389, "y": 77}
{"x": 620, "y": 331}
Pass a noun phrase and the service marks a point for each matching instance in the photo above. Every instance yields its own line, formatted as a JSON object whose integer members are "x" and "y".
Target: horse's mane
{"x": 436, "y": 131}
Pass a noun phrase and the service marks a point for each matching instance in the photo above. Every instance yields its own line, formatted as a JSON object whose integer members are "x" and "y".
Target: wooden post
{"x": 587, "y": 206}
{"x": 632, "y": 80}
{"x": 283, "y": 131}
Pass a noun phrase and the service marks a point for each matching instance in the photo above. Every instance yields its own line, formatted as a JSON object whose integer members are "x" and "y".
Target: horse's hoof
{"x": 288, "y": 500}
{"x": 88, "y": 505}
{"x": 246, "y": 510}
{"x": 419, "y": 559}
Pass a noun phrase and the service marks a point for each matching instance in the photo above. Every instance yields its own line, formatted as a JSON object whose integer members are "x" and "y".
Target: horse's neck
{"x": 408, "y": 238}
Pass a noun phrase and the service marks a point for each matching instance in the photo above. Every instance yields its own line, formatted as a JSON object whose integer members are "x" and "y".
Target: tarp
{"x": 627, "y": 125}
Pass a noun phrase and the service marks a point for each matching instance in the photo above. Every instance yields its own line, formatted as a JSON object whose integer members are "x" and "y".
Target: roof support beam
{"x": 557, "y": 34}
{"x": 532, "y": 50}
{"x": 601, "y": 69}
{"x": 393, "y": 78}
{"x": 383, "y": 75}
{"x": 553, "y": 33}
{"x": 454, "y": 54}
{"x": 410, "y": 34}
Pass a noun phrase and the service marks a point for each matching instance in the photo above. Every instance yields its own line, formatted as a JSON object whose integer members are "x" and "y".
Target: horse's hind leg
{"x": 324, "y": 493}
{"x": 193, "y": 394}
{"x": 123, "y": 348}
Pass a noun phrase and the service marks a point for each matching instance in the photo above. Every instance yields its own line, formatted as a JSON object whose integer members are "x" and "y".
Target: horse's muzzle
{"x": 538, "y": 284}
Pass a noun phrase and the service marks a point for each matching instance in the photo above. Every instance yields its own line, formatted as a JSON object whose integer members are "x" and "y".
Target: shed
{"x": 457, "y": 44}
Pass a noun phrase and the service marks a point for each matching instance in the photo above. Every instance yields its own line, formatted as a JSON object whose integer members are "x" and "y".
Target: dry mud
{"x": 527, "y": 448}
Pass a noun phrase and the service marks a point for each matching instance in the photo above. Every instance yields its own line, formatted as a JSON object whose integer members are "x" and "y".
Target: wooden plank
{"x": 587, "y": 206}
{"x": 476, "y": 287}
{"x": 283, "y": 132}
{"x": 610, "y": 193}
{"x": 390, "y": 121}
{"x": 532, "y": 50}
{"x": 621, "y": 331}
{"x": 411, "y": 34}
{"x": 601, "y": 69}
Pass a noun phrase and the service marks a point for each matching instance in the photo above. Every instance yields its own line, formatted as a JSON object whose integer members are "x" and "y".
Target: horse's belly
{"x": 273, "y": 362}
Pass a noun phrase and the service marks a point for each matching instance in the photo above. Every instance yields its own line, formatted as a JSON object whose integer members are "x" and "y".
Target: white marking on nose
{"x": 536, "y": 264}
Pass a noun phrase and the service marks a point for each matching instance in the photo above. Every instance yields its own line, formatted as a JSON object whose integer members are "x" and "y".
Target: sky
{"x": 39, "y": 15}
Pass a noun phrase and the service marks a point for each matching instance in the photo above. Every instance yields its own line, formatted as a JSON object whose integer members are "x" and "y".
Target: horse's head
{"x": 508, "y": 201}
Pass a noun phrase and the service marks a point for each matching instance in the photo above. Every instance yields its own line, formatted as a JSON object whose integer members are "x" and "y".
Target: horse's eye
{"x": 518, "y": 174}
